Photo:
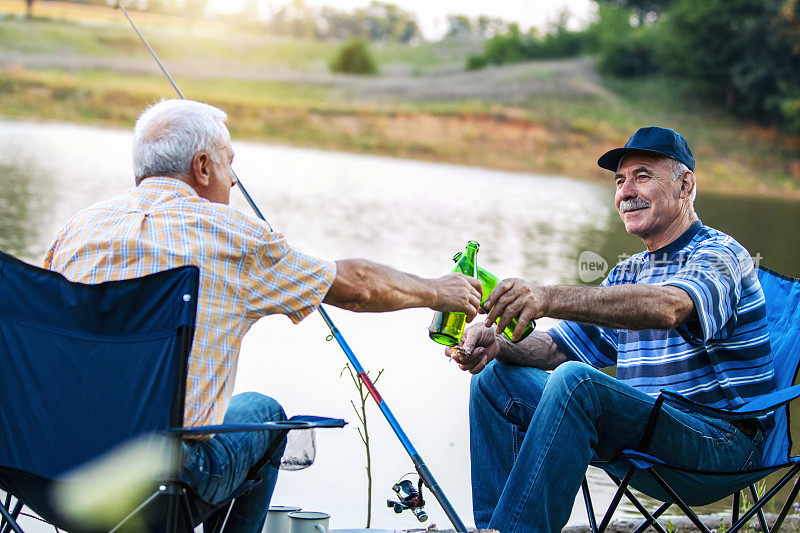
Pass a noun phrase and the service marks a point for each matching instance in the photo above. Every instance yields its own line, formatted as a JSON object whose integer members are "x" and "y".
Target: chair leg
{"x": 3, "y": 523}
{"x": 178, "y": 512}
{"x": 141, "y": 507}
{"x": 587, "y": 499}
{"x": 767, "y": 497}
{"x": 786, "y": 506}
{"x": 623, "y": 485}
{"x": 656, "y": 514}
{"x": 649, "y": 518}
{"x": 9, "y": 520}
{"x": 187, "y": 510}
{"x": 761, "y": 518}
{"x": 14, "y": 514}
{"x": 219, "y": 528}
{"x": 679, "y": 502}
{"x": 735, "y": 510}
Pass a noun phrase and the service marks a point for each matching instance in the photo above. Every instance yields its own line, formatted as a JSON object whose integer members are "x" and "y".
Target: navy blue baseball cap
{"x": 662, "y": 141}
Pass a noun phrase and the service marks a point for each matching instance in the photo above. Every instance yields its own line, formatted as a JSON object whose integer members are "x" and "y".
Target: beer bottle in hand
{"x": 447, "y": 328}
{"x": 488, "y": 282}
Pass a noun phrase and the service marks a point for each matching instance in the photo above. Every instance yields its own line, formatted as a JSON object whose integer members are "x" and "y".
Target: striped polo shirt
{"x": 246, "y": 272}
{"x": 720, "y": 357}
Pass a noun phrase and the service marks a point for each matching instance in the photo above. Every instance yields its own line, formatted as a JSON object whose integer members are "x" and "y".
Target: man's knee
{"x": 573, "y": 372}
{"x": 491, "y": 381}
{"x": 574, "y": 379}
{"x": 254, "y": 407}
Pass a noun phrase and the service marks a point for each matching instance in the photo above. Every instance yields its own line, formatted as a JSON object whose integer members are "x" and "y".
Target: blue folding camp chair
{"x": 86, "y": 368}
{"x": 686, "y": 488}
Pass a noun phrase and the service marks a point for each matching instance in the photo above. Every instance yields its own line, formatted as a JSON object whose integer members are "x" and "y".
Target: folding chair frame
{"x": 651, "y": 519}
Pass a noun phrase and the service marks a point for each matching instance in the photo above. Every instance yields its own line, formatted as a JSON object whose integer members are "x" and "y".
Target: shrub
{"x": 514, "y": 46}
{"x": 354, "y": 57}
{"x": 477, "y": 62}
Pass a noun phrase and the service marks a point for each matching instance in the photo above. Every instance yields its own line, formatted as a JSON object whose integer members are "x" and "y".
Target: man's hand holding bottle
{"x": 479, "y": 346}
{"x": 458, "y": 293}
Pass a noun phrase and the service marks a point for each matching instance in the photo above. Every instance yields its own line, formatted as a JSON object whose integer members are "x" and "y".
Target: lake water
{"x": 408, "y": 214}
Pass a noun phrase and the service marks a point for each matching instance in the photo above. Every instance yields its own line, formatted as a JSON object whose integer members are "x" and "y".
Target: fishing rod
{"x": 422, "y": 469}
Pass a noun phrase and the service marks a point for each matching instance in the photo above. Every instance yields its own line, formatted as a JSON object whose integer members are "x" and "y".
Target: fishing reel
{"x": 410, "y": 498}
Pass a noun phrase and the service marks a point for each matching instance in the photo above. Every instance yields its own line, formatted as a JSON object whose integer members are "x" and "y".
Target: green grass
{"x": 174, "y": 43}
{"x": 427, "y": 55}
{"x": 44, "y": 36}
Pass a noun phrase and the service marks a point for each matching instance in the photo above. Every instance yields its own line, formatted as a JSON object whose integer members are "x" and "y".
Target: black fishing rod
{"x": 422, "y": 469}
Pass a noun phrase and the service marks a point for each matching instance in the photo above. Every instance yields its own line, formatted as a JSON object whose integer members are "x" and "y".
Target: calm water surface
{"x": 411, "y": 215}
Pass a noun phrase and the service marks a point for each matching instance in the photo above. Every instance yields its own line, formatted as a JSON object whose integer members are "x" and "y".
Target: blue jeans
{"x": 533, "y": 434}
{"x": 216, "y": 468}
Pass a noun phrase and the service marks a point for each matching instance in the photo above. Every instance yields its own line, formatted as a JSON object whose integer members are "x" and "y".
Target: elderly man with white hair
{"x": 177, "y": 214}
{"x": 687, "y": 314}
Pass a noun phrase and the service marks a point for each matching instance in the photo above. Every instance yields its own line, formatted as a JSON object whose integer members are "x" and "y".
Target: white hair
{"x": 678, "y": 170}
{"x": 169, "y": 134}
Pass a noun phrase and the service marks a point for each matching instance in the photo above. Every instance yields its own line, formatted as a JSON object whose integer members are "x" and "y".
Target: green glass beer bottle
{"x": 446, "y": 328}
{"x": 488, "y": 282}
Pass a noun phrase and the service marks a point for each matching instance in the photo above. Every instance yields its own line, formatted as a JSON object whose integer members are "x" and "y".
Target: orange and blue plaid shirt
{"x": 246, "y": 272}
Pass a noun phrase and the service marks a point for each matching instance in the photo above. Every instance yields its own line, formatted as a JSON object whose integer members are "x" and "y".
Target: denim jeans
{"x": 533, "y": 434}
{"x": 216, "y": 468}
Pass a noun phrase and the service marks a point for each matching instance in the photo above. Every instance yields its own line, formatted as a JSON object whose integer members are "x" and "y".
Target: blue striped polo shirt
{"x": 720, "y": 357}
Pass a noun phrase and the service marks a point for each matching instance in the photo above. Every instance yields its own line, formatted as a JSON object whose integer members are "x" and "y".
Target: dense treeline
{"x": 378, "y": 21}
{"x": 745, "y": 53}
{"x": 512, "y": 45}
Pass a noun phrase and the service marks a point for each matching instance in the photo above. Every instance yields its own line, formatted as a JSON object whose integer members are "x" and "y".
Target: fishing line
{"x": 422, "y": 469}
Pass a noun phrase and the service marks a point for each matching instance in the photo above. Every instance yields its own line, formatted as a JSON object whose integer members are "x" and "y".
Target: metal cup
{"x": 309, "y": 522}
{"x": 278, "y": 519}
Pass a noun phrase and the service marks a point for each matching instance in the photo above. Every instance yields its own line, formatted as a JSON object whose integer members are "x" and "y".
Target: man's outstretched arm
{"x": 634, "y": 307}
{"x": 364, "y": 286}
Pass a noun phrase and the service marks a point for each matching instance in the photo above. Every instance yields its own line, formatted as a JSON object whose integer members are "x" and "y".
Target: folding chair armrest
{"x": 760, "y": 405}
{"x": 296, "y": 422}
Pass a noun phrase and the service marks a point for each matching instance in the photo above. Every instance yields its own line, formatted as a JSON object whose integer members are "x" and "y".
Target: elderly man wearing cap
{"x": 686, "y": 314}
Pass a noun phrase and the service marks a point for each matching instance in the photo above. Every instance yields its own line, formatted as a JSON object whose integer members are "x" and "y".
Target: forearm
{"x": 365, "y": 286}
{"x": 633, "y": 307}
{"x": 537, "y": 350}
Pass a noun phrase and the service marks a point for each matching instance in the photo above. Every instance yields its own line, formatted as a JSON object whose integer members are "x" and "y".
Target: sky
{"x": 432, "y": 13}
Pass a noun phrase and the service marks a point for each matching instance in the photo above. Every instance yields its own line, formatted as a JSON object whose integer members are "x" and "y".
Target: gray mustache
{"x": 630, "y": 205}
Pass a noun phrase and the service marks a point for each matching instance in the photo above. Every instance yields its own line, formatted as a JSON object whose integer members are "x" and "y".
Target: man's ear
{"x": 687, "y": 184}
{"x": 201, "y": 169}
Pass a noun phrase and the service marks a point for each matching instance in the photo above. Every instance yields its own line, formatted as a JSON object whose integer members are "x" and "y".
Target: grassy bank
{"x": 548, "y": 117}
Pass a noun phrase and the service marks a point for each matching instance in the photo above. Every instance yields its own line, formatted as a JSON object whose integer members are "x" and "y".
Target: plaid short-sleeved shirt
{"x": 721, "y": 357}
{"x": 246, "y": 272}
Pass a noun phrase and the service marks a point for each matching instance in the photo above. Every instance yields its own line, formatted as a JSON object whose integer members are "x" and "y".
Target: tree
{"x": 29, "y": 9}
{"x": 640, "y": 6}
{"x": 458, "y": 27}
{"x": 490, "y": 26}
{"x": 409, "y": 32}
{"x": 295, "y": 19}
{"x": 379, "y": 21}
{"x": 745, "y": 51}
{"x": 625, "y": 50}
